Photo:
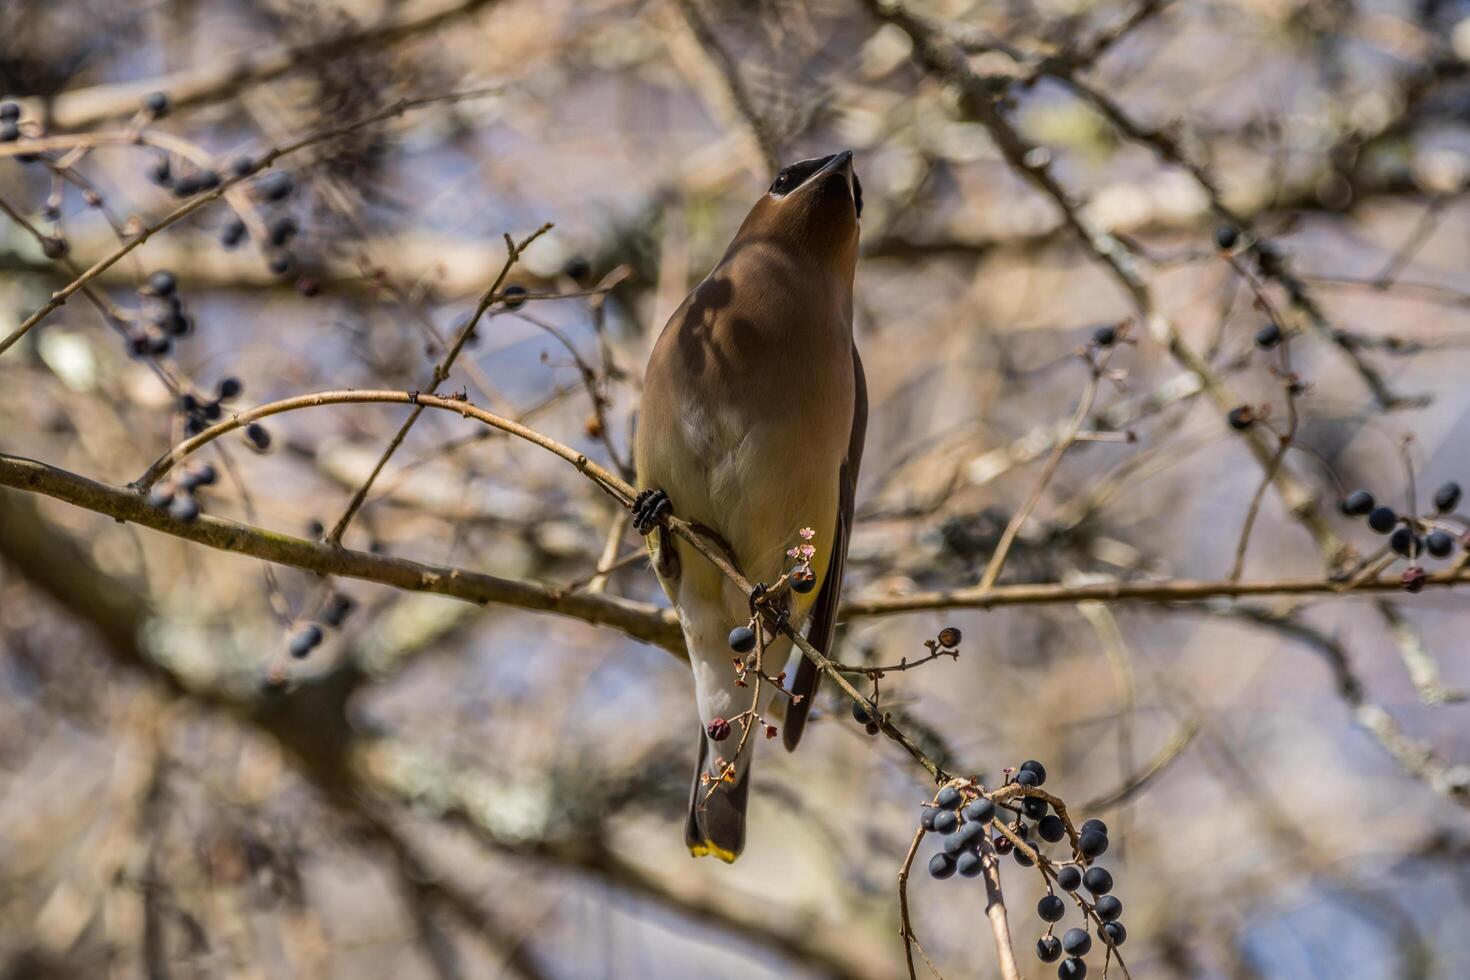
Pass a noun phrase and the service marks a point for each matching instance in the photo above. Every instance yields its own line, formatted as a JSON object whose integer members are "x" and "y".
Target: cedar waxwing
{"x": 751, "y": 428}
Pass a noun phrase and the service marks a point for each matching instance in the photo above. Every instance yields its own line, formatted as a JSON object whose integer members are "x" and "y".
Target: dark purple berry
{"x": 1072, "y": 968}
{"x": 281, "y": 230}
{"x": 577, "y": 268}
{"x": 926, "y": 817}
{"x": 337, "y": 609}
{"x": 162, "y": 283}
{"x": 1069, "y": 878}
{"x": 1439, "y": 543}
{"x": 981, "y": 811}
{"x": 1382, "y": 519}
{"x": 949, "y": 798}
{"x": 945, "y": 822}
{"x": 1357, "y": 503}
{"x": 1027, "y": 778}
{"x": 1225, "y": 237}
{"x": 1032, "y": 766}
{"x": 718, "y": 729}
{"x": 1114, "y": 933}
{"x": 160, "y": 496}
{"x": 1241, "y": 418}
{"x": 1447, "y": 497}
{"x": 1022, "y": 858}
{"x": 232, "y": 233}
{"x": 942, "y": 866}
{"x": 1268, "y": 336}
{"x": 1051, "y": 908}
{"x": 1034, "y": 807}
{"x": 1051, "y": 828}
{"x": 1092, "y": 844}
{"x": 184, "y": 508}
{"x": 258, "y": 435}
{"x": 242, "y": 166}
{"x": 1002, "y": 845}
{"x": 1108, "y": 908}
{"x": 1405, "y": 542}
{"x": 514, "y": 297}
{"x": 229, "y": 388}
{"x": 1105, "y": 336}
{"x": 969, "y": 864}
{"x": 9, "y": 111}
{"x": 803, "y": 581}
{"x": 1077, "y": 942}
{"x": 1048, "y": 949}
{"x": 160, "y": 173}
{"x": 275, "y": 186}
{"x": 1098, "y": 881}
{"x": 157, "y": 104}
{"x": 742, "y": 639}
{"x": 305, "y": 639}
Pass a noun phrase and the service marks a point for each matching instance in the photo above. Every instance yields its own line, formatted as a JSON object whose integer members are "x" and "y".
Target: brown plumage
{"x": 752, "y": 423}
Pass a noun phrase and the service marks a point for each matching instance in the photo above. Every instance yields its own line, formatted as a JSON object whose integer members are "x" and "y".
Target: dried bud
{"x": 949, "y": 637}
{"x": 770, "y": 731}
{"x": 1414, "y": 577}
{"x": 718, "y": 729}
{"x": 593, "y": 426}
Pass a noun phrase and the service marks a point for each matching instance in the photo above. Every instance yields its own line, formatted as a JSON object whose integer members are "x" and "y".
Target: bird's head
{"x": 812, "y": 208}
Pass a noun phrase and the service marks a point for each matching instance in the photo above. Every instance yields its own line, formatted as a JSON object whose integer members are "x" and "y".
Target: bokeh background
{"x": 448, "y": 790}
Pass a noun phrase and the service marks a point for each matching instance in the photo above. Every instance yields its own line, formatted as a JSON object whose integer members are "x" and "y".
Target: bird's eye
{"x": 782, "y": 181}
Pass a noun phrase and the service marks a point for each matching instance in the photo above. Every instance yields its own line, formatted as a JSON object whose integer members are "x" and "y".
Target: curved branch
{"x": 637, "y": 619}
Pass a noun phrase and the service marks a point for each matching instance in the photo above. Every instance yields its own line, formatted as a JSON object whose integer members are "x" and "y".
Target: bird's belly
{"x": 756, "y": 484}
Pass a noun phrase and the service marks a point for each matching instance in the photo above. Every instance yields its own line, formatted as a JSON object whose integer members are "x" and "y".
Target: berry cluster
{"x": 177, "y": 495}
{"x": 1412, "y": 536}
{"x": 308, "y": 636}
{"x": 163, "y": 317}
{"x": 962, "y": 813}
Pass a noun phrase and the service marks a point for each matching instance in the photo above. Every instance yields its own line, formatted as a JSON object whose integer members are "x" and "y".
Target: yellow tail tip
{"x": 712, "y": 850}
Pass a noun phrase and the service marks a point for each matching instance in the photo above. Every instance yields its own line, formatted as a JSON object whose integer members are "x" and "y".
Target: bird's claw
{"x": 648, "y": 507}
{"x": 779, "y": 614}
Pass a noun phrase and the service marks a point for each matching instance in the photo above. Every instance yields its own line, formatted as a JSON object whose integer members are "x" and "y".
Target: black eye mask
{"x": 792, "y": 177}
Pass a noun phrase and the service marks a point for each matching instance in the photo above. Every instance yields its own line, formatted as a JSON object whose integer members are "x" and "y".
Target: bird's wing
{"x": 824, "y": 615}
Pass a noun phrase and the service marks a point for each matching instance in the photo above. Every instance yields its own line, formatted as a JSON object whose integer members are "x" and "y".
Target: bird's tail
{"x": 716, "y": 821}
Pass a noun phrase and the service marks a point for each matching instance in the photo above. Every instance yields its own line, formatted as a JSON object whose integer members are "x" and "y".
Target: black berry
{"x": 1439, "y": 543}
{"x": 926, "y": 817}
{"x": 160, "y": 173}
{"x": 1092, "y": 844}
{"x": 276, "y": 186}
{"x": 942, "y": 866}
{"x": 337, "y": 609}
{"x": 1405, "y": 542}
{"x": 1077, "y": 942}
{"x": 514, "y": 297}
{"x": 1069, "y": 878}
{"x": 233, "y": 233}
{"x": 862, "y": 713}
{"x": 1268, "y": 336}
{"x": 1225, "y": 237}
{"x": 9, "y": 111}
{"x": 1051, "y": 828}
{"x": 1072, "y": 968}
{"x": 1027, "y": 778}
{"x": 742, "y": 640}
{"x": 1382, "y": 519}
{"x": 945, "y": 822}
{"x": 969, "y": 864}
{"x": 1105, "y": 336}
{"x": 1049, "y": 949}
{"x": 949, "y": 798}
{"x": 1032, "y": 766}
{"x": 1034, "y": 807}
{"x": 229, "y": 388}
{"x": 577, "y": 268}
{"x": 157, "y": 104}
{"x": 162, "y": 283}
{"x": 1098, "y": 881}
{"x": 1447, "y": 497}
{"x": 1051, "y": 908}
{"x": 304, "y": 640}
{"x": 184, "y": 508}
{"x": 1357, "y": 503}
{"x": 803, "y": 581}
{"x": 1241, "y": 418}
{"x": 258, "y": 435}
{"x": 1114, "y": 933}
{"x": 981, "y": 811}
{"x": 1108, "y": 908}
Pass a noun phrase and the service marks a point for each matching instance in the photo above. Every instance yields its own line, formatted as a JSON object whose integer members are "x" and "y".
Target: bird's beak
{"x": 840, "y": 163}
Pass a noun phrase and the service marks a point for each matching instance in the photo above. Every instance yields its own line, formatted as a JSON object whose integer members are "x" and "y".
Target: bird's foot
{"x": 778, "y": 613}
{"x": 648, "y": 507}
